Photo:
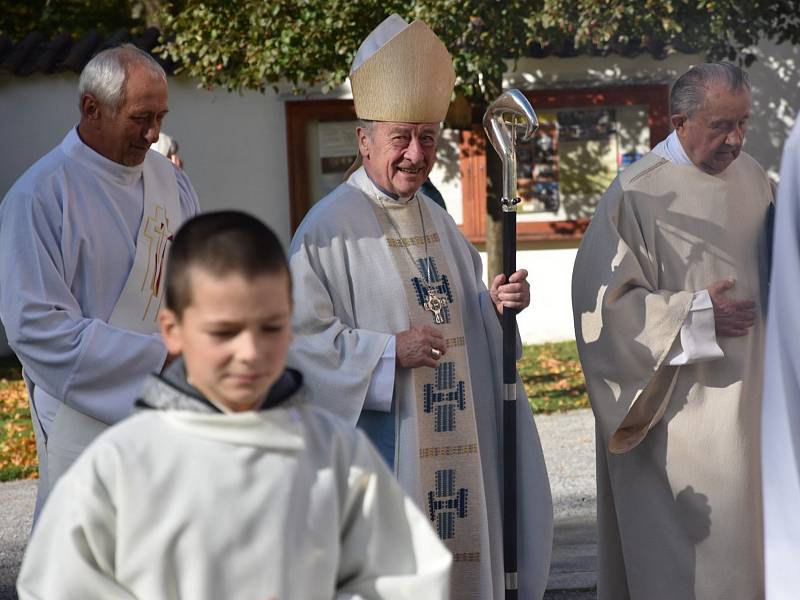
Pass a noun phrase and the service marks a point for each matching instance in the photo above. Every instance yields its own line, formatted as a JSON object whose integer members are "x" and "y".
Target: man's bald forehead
{"x": 718, "y": 94}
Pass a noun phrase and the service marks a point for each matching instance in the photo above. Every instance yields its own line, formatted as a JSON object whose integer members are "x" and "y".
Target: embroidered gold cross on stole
{"x": 158, "y": 236}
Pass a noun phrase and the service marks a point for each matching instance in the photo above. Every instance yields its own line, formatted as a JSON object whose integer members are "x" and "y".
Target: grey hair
{"x": 104, "y": 76}
{"x": 688, "y": 95}
{"x": 368, "y": 126}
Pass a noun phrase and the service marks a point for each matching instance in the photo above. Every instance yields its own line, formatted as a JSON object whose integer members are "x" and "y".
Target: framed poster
{"x": 537, "y": 171}
{"x": 321, "y": 145}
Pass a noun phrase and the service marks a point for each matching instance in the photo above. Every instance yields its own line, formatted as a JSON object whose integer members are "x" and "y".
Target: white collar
{"x": 74, "y": 147}
{"x": 364, "y": 182}
{"x": 672, "y": 149}
{"x": 279, "y": 428}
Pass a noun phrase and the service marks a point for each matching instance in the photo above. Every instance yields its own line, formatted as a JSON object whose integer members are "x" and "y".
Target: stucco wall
{"x": 234, "y": 145}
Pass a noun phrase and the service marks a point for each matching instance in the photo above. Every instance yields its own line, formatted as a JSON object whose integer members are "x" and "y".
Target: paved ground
{"x": 570, "y": 595}
{"x": 568, "y": 442}
{"x": 572, "y": 571}
{"x": 17, "y": 499}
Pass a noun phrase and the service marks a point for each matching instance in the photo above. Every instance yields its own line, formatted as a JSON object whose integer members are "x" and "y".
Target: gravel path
{"x": 569, "y": 451}
{"x": 16, "y": 499}
{"x": 568, "y": 443}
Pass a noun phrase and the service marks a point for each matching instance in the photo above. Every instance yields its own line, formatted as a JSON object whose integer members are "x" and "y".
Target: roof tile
{"x": 36, "y": 54}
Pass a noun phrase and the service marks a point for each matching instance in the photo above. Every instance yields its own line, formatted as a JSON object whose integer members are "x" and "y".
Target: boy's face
{"x": 233, "y": 336}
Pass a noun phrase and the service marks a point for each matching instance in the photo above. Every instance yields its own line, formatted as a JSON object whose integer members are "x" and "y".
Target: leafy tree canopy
{"x": 724, "y": 29}
{"x": 254, "y": 44}
{"x": 51, "y": 17}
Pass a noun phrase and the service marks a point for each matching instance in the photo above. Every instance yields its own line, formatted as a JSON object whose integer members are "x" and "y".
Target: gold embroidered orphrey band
{"x": 449, "y": 473}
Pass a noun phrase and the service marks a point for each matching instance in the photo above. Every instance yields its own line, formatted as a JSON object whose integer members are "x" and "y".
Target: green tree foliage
{"x": 480, "y": 35}
{"x": 50, "y": 17}
{"x": 723, "y": 29}
{"x": 253, "y": 44}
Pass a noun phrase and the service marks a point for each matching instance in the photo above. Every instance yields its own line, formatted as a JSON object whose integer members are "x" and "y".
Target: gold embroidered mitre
{"x": 402, "y": 73}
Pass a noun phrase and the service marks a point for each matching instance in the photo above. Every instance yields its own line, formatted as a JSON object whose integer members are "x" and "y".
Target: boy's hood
{"x": 187, "y": 409}
{"x": 171, "y": 391}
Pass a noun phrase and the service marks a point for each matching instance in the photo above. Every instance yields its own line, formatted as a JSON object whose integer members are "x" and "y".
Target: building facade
{"x": 274, "y": 154}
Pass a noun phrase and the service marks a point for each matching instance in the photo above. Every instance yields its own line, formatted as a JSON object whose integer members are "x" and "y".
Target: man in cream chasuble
{"x": 668, "y": 294}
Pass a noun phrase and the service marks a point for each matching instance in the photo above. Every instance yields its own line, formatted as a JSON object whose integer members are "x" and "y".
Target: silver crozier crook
{"x": 504, "y": 117}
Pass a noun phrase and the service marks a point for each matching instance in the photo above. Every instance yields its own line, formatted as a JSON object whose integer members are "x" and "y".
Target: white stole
{"x": 138, "y": 304}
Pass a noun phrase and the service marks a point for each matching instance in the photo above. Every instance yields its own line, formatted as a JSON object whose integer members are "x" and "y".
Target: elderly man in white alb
{"x": 397, "y": 331}
{"x": 84, "y": 236}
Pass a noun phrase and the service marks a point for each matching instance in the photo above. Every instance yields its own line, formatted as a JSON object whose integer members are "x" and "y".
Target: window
{"x": 585, "y": 138}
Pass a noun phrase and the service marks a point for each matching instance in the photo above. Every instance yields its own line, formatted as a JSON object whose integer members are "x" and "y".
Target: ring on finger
{"x": 436, "y": 354}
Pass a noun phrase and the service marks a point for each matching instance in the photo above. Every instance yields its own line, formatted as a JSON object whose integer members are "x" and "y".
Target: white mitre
{"x": 402, "y": 73}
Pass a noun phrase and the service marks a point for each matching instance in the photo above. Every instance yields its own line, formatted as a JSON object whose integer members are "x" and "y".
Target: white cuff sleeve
{"x": 698, "y": 339}
{"x": 381, "y": 385}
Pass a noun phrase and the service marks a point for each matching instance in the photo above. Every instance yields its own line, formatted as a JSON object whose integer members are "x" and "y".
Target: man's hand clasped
{"x": 514, "y": 294}
{"x": 732, "y": 317}
{"x": 420, "y": 347}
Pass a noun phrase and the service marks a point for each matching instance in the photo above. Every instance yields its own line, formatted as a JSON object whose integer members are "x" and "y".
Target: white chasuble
{"x": 780, "y": 433}
{"x": 449, "y": 479}
{"x": 353, "y": 291}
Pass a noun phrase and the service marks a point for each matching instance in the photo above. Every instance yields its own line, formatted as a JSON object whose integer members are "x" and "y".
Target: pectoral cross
{"x": 433, "y": 291}
{"x": 435, "y": 303}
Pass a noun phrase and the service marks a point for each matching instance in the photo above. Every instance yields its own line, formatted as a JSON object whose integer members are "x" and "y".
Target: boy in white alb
{"x": 224, "y": 485}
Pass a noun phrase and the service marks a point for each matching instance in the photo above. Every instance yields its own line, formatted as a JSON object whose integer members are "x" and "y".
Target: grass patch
{"x": 551, "y": 374}
{"x": 17, "y": 444}
{"x": 553, "y": 377}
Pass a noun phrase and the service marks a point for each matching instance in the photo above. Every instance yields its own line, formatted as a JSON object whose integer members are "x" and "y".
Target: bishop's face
{"x": 398, "y": 156}
{"x": 713, "y": 136}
